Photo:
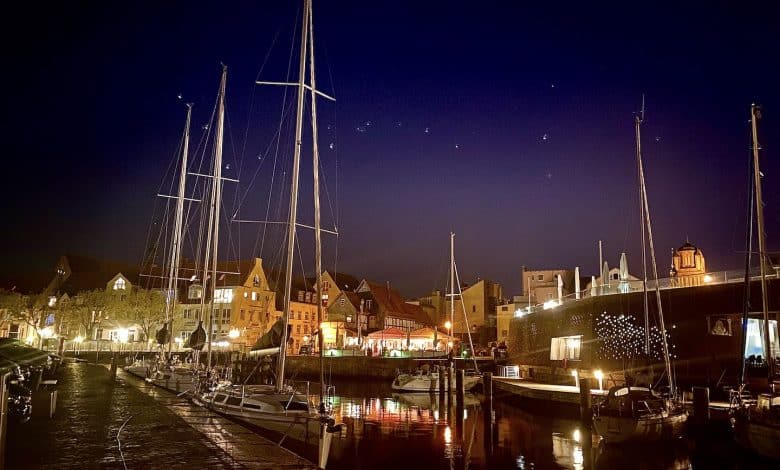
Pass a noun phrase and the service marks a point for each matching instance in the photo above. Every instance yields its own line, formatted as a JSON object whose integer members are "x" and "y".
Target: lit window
{"x": 119, "y": 284}
{"x": 223, "y": 296}
{"x": 256, "y": 280}
{"x": 52, "y": 301}
{"x": 254, "y": 295}
{"x": 565, "y": 347}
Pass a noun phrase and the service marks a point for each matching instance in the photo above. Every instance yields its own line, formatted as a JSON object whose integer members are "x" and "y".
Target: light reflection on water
{"x": 387, "y": 430}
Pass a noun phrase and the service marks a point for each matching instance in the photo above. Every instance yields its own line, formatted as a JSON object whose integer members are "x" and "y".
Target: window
{"x": 540, "y": 277}
{"x": 52, "y": 301}
{"x": 308, "y": 297}
{"x": 298, "y": 329}
{"x": 13, "y": 331}
{"x": 349, "y": 318}
{"x": 306, "y": 329}
{"x": 242, "y": 315}
{"x": 504, "y": 333}
{"x": 565, "y": 347}
{"x": 195, "y": 292}
{"x": 226, "y": 314}
{"x": 256, "y": 280}
{"x": 720, "y": 325}
{"x": 473, "y": 309}
{"x": 254, "y": 295}
{"x": 306, "y": 316}
{"x": 300, "y": 296}
{"x": 504, "y": 308}
{"x": 223, "y": 296}
{"x": 119, "y": 284}
{"x": 615, "y": 276}
{"x": 368, "y": 304}
{"x": 187, "y": 314}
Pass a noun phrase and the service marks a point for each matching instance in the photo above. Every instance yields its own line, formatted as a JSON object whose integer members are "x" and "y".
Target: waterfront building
{"x": 479, "y": 309}
{"x": 334, "y": 284}
{"x": 347, "y": 310}
{"x": 542, "y": 285}
{"x": 243, "y": 304}
{"x": 505, "y": 312}
{"x": 688, "y": 267}
{"x": 607, "y": 333}
{"x": 389, "y": 309}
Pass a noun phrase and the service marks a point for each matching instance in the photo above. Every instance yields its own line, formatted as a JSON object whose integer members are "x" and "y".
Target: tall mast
{"x": 755, "y": 114}
{"x": 664, "y": 342}
{"x": 216, "y": 205}
{"x": 317, "y": 221}
{"x": 173, "y": 274}
{"x": 637, "y": 124}
{"x": 294, "y": 191}
{"x": 452, "y": 286}
{"x": 748, "y": 255}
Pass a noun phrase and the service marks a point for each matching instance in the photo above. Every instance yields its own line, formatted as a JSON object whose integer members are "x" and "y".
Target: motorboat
{"x": 637, "y": 414}
{"x": 425, "y": 380}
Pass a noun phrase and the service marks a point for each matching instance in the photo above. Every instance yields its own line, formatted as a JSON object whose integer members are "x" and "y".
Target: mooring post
{"x": 459, "y": 389}
{"x": 487, "y": 386}
{"x": 701, "y": 405}
{"x": 441, "y": 383}
{"x": 586, "y": 408}
{"x": 113, "y": 367}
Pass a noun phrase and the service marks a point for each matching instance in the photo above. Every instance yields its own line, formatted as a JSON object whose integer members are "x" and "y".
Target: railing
{"x": 623, "y": 287}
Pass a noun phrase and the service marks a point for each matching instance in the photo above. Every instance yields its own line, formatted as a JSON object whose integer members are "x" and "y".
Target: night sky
{"x": 509, "y": 124}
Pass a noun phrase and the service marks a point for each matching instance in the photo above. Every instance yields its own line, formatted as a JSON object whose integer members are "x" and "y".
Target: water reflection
{"x": 386, "y": 430}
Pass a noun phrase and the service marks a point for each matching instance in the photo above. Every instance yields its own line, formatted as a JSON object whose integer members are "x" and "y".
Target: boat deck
{"x": 544, "y": 392}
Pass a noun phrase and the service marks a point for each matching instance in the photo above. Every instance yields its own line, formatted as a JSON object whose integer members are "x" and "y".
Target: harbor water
{"x": 388, "y": 430}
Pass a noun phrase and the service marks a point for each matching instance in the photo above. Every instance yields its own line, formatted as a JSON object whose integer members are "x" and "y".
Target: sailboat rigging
{"x": 654, "y": 418}
{"x": 757, "y": 427}
{"x": 281, "y": 408}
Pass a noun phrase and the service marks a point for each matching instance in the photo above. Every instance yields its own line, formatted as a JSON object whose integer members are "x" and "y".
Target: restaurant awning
{"x": 427, "y": 334}
{"x": 388, "y": 333}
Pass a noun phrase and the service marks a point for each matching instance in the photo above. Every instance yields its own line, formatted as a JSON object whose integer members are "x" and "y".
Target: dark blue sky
{"x": 529, "y": 154}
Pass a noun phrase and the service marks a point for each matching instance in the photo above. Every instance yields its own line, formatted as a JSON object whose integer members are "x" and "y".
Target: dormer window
{"x": 195, "y": 292}
{"x": 119, "y": 284}
{"x": 256, "y": 280}
{"x": 300, "y": 296}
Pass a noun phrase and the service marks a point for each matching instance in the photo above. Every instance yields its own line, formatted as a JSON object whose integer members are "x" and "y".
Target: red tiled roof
{"x": 391, "y": 302}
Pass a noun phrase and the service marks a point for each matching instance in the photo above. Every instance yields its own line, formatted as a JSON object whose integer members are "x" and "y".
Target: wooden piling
{"x": 701, "y": 405}
{"x": 459, "y": 388}
{"x": 586, "y": 407}
{"x": 442, "y": 386}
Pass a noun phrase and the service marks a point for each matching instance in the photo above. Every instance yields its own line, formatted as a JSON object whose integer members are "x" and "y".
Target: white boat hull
{"x": 429, "y": 383}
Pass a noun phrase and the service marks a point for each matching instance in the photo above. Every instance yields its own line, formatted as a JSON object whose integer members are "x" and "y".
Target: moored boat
{"x": 637, "y": 414}
{"x": 428, "y": 381}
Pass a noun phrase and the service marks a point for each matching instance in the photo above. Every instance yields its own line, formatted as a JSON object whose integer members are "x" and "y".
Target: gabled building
{"x": 243, "y": 304}
{"x": 389, "y": 309}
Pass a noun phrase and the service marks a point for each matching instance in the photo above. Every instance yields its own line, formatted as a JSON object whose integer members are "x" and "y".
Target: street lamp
{"x": 77, "y": 344}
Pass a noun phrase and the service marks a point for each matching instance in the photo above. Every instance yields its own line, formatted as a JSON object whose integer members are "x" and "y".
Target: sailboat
{"x": 757, "y": 426}
{"x": 281, "y": 408}
{"x": 162, "y": 371}
{"x": 425, "y": 379}
{"x": 638, "y": 413}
